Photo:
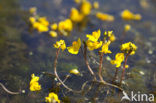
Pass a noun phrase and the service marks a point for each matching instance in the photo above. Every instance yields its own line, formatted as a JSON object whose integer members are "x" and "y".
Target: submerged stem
{"x": 115, "y": 76}
{"x": 123, "y": 69}
{"x": 86, "y": 61}
{"x": 55, "y": 71}
{"x": 100, "y": 67}
{"x": 8, "y": 91}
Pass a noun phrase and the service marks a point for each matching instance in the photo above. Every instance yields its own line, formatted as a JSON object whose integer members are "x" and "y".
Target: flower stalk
{"x": 86, "y": 61}
{"x": 123, "y": 69}
{"x": 100, "y": 67}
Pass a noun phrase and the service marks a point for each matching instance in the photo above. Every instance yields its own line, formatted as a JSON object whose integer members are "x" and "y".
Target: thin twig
{"x": 123, "y": 69}
{"x": 109, "y": 84}
{"x": 8, "y": 91}
{"x": 67, "y": 76}
{"x": 100, "y": 67}
{"x": 83, "y": 86}
{"x": 55, "y": 71}
{"x": 86, "y": 61}
{"x": 115, "y": 76}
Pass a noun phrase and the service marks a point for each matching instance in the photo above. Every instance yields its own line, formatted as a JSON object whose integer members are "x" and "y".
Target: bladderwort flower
{"x": 32, "y": 19}
{"x": 74, "y": 71}
{"x": 95, "y": 36}
{"x": 92, "y": 42}
{"x": 77, "y": 1}
{"x": 34, "y": 85}
{"x": 128, "y": 15}
{"x": 43, "y": 21}
{"x": 33, "y": 10}
{"x": 127, "y": 27}
{"x": 65, "y": 26}
{"x": 60, "y": 44}
{"x": 93, "y": 45}
{"x": 53, "y": 34}
{"x": 52, "y": 98}
{"x": 96, "y": 5}
{"x": 105, "y": 47}
{"x": 86, "y": 7}
{"x": 119, "y": 58}
{"x": 54, "y": 26}
{"x": 41, "y": 24}
{"x": 104, "y": 17}
{"x": 109, "y": 35}
{"x": 75, "y": 15}
{"x": 112, "y": 38}
{"x": 74, "y": 49}
{"x": 129, "y": 48}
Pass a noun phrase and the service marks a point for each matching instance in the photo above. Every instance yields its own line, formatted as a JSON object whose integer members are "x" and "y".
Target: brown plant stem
{"x": 115, "y": 76}
{"x": 55, "y": 71}
{"x": 8, "y": 91}
{"x": 86, "y": 61}
{"x": 83, "y": 86}
{"x": 109, "y": 84}
{"x": 100, "y": 67}
{"x": 123, "y": 69}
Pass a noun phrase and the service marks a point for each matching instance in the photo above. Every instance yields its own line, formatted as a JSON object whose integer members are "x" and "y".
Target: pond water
{"x": 23, "y": 51}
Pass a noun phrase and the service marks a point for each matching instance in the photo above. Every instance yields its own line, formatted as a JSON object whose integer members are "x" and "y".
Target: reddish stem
{"x": 100, "y": 67}
{"x": 115, "y": 76}
{"x": 86, "y": 61}
{"x": 123, "y": 69}
{"x": 57, "y": 76}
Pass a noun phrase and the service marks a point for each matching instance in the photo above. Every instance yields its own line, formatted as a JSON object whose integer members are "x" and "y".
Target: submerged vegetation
{"x": 79, "y": 56}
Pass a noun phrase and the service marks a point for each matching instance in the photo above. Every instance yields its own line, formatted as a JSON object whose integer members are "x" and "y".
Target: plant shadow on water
{"x": 23, "y": 51}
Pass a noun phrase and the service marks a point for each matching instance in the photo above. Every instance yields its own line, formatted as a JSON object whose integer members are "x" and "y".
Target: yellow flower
{"x": 93, "y": 45}
{"x": 74, "y": 49}
{"x": 74, "y": 71}
{"x": 129, "y": 47}
{"x": 119, "y": 58}
{"x": 34, "y": 79}
{"x": 34, "y": 85}
{"x": 128, "y": 15}
{"x": 108, "y": 33}
{"x": 137, "y": 17}
{"x": 41, "y": 24}
{"x": 40, "y": 27}
{"x": 112, "y": 38}
{"x": 127, "y": 27}
{"x": 52, "y": 98}
{"x": 43, "y": 21}
{"x": 54, "y": 26}
{"x": 53, "y": 34}
{"x": 85, "y": 8}
{"x": 126, "y": 66}
{"x": 32, "y": 10}
{"x": 32, "y": 20}
{"x": 75, "y": 15}
{"x": 77, "y": 1}
{"x": 60, "y": 44}
{"x": 65, "y": 25}
{"x": 105, "y": 48}
{"x": 95, "y": 36}
{"x": 96, "y": 5}
{"x": 104, "y": 17}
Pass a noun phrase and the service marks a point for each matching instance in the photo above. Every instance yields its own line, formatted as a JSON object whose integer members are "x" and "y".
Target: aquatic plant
{"x": 96, "y": 41}
{"x": 52, "y": 98}
{"x": 34, "y": 85}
